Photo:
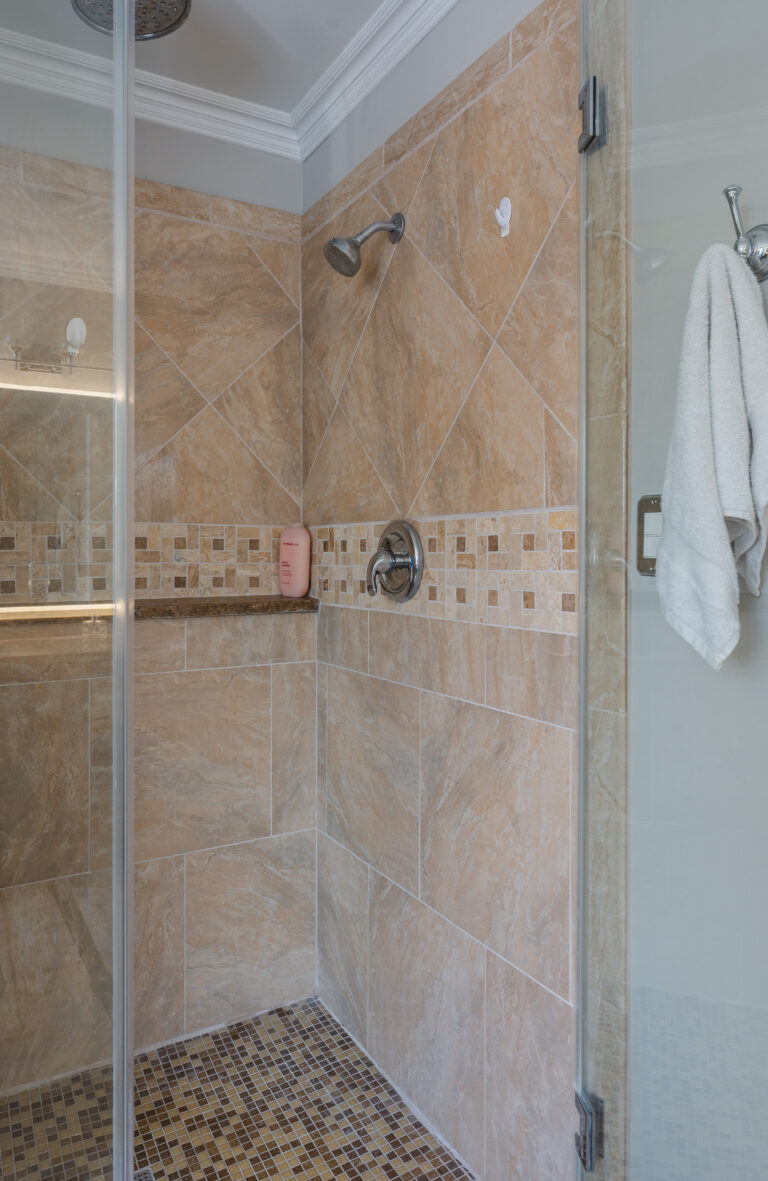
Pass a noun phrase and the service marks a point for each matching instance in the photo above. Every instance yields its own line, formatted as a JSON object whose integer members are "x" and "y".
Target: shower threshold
{"x": 284, "y": 1095}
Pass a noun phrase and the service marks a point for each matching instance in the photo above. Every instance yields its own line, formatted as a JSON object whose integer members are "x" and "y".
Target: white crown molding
{"x": 190, "y": 108}
{"x": 87, "y": 78}
{"x": 717, "y": 137}
{"x": 386, "y": 38}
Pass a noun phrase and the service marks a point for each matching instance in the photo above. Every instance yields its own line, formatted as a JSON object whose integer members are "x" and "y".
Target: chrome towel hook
{"x": 753, "y": 246}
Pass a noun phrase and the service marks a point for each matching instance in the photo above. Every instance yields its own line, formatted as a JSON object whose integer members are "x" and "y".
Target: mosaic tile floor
{"x": 286, "y": 1095}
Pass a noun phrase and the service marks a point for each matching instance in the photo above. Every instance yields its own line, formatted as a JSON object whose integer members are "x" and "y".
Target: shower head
{"x": 154, "y": 18}
{"x": 344, "y": 253}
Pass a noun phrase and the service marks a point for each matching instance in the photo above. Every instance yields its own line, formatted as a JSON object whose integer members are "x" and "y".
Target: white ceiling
{"x": 269, "y": 52}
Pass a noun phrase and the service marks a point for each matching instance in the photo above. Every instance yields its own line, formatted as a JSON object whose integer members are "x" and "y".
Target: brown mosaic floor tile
{"x": 287, "y": 1095}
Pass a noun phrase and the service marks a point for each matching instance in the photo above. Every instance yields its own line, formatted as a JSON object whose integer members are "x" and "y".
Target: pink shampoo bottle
{"x": 293, "y": 574}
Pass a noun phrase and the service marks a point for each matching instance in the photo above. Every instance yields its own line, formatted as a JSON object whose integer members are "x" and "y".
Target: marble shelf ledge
{"x": 224, "y": 605}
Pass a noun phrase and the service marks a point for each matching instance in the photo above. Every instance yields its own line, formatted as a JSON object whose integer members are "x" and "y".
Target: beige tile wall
{"x": 443, "y": 788}
{"x": 442, "y": 384}
{"x": 218, "y": 383}
{"x": 225, "y": 732}
{"x": 225, "y": 841}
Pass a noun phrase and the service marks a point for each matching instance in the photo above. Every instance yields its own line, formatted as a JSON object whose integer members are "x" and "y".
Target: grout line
{"x": 278, "y": 836}
{"x": 317, "y": 828}
{"x": 248, "y": 447}
{"x": 420, "y": 757}
{"x": 185, "y": 941}
{"x": 347, "y": 372}
{"x": 317, "y": 743}
{"x": 271, "y": 756}
{"x": 176, "y": 672}
{"x": 210, "y": 223}
{"x": 379, "y": 612}
{"x": 268, "y": 269}
{"x": 494, "y": 343}
{"x": 199, "y": 1033}
{"x": 327, "y": 729}
{"x": 414, "y": 1109}
{"x": 305, "y": 479}
{"x": 317, "y": 911}
{"x": 450, "y": 922}
{"x": 28, "y": 191}
{"x": 505, "y": 513}
{"x": 178, "y": 369}
{"x": 257, "y": 360}
{"x": 452, "y": 697}
{"x": 573, "y": 868}
{"x": 71, "y": 519}
{"x": 485, "y": 1059}
{"x": 208, "y": 402}
{"x": 89, "y": 693}
{"x": 368, "y": 930}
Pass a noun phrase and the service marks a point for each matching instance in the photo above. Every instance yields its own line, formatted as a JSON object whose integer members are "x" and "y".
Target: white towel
{"x": 716, "y": 487}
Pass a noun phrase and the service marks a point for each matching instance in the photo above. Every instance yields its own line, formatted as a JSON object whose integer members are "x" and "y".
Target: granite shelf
{"x": 162, "y": 609}
{"x": 219, "y": 606}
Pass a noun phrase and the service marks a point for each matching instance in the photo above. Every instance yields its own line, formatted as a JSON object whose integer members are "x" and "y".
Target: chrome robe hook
{"x": 752, "y": 246}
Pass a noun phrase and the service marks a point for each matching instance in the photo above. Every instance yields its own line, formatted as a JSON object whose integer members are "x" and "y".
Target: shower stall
{"x": 453, "y": 867}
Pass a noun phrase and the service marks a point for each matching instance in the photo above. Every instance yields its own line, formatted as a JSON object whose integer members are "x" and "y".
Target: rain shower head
{"x": 154, "y": 18}
{"x": 344, "y": 253}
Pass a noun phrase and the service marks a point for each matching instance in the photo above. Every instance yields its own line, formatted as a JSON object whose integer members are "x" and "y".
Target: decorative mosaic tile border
{"x": 54, "y": 562}
{"x": 181, "y": 561}
{"x": 512, "y": 569}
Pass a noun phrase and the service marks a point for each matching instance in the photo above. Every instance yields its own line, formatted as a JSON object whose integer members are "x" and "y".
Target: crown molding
{"x": 386, "y": 38}
{"x": 219, "y": 116}
{"x": 87, "y": 78}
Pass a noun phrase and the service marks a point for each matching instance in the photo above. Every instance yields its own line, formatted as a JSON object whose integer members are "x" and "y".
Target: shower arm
{"x": 394, "y": 228}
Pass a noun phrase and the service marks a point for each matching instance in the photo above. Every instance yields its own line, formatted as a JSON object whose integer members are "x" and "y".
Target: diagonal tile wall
{"x": 441, "y": 384}
{"x": 218, "y": 372}
{"x": 224, "y": 791}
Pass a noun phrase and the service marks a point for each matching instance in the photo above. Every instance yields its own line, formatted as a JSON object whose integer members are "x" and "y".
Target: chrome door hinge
{"x": 589, "y": 105}
{"x": 589, "y": 1138}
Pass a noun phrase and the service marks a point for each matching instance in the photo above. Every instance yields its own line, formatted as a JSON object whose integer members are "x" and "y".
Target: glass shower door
{"x": 65, "y": 867}
{"x": 675, "y": 823}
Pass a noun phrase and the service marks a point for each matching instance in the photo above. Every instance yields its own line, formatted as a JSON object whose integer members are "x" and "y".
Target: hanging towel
{"x": 716, "y": 486}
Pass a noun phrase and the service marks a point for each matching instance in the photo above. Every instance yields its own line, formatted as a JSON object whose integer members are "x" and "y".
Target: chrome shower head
{"x": 344, "y": 253}
{"x": 154, "y": 18}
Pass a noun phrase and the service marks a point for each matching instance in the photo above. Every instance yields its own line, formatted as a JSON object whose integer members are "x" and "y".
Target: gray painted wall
{"x": 68, "y": 130}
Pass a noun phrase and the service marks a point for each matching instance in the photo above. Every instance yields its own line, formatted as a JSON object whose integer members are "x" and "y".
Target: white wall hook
{"x": 76, "y": 336}
{"x": 504, "y": 216}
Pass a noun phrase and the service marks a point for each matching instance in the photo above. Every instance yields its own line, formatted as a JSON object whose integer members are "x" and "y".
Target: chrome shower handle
{"x": 398, "y": 564}
{"x": 384, "y": 562}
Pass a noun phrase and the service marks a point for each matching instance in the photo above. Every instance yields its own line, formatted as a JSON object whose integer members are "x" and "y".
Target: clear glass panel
{"x": 674, "y": 964}
{"x": 63, "y": 629}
